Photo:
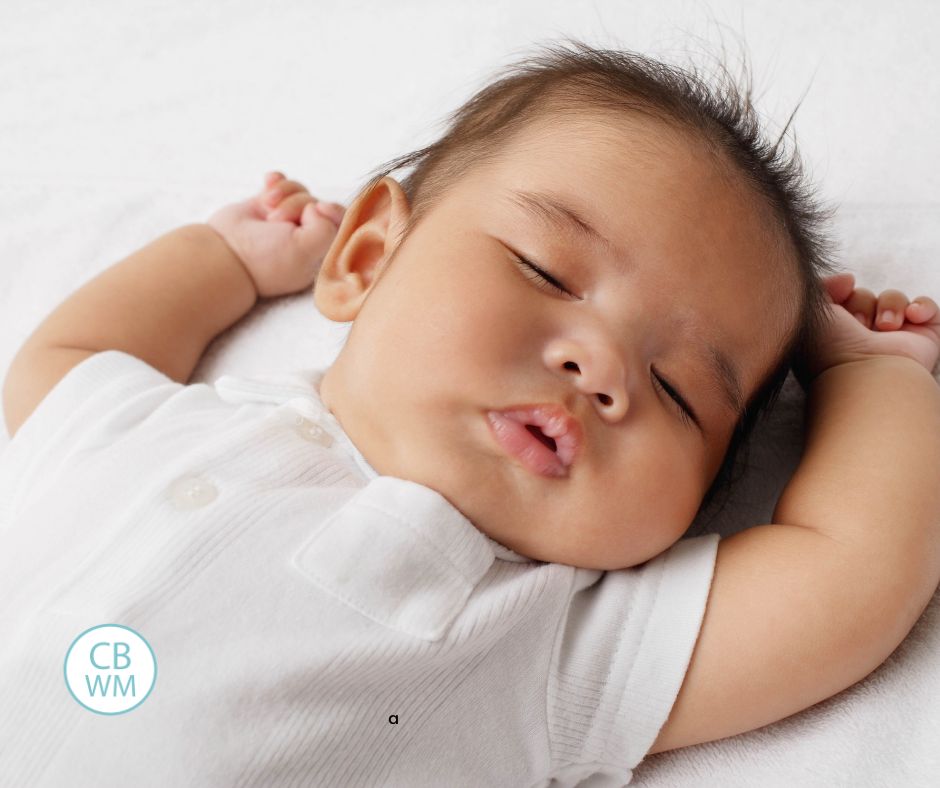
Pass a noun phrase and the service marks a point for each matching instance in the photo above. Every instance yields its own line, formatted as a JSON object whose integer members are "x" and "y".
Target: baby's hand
{"x": 866, "y": 325}
{"x": 281, "y": 235}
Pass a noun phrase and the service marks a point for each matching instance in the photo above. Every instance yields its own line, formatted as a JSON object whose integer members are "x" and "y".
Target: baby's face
{"x": 456, "y": 332}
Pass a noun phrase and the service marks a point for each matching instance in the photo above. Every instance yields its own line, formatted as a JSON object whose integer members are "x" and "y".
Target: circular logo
{"x": 110, "y": 669}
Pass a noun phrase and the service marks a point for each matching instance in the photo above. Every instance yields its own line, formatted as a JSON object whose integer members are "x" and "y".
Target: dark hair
{"x": 560, "y": 78}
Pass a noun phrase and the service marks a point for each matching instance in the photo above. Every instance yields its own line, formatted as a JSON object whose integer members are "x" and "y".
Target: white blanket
{"x": 122, "y": 121}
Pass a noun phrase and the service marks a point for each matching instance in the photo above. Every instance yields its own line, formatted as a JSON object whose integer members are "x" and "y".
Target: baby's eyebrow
{"x": 555, "y": 211}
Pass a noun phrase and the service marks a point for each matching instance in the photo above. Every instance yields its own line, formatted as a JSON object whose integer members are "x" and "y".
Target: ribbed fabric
{"x": 303, "y": 601}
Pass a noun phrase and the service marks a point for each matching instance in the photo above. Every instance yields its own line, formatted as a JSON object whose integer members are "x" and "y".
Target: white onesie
{"x": 312, "y": 623}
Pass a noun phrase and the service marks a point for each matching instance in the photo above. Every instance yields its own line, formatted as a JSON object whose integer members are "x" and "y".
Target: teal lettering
{"x": 92, "y": 657}
{"x": 131, "y": 685}
{"x": 118, "y": 655}
{"x": 97, "y": 685}
{"x": 101, "y": 687}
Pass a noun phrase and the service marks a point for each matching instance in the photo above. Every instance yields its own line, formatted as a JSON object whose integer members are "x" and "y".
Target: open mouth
{"x": 544, "y": 437}
{"x": 550, "y": 442}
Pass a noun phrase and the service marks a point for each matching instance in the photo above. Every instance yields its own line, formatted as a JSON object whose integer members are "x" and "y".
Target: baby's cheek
{"x": 665, "y": 491}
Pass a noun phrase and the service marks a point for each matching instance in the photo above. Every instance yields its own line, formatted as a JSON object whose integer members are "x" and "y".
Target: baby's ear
{"x": 366, "y": 239}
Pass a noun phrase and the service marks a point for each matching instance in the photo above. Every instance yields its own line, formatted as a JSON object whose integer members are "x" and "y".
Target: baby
{"x": 454, "y": 557}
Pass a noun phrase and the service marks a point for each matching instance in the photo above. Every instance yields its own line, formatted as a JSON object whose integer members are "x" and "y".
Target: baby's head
{"x": 681, "y": 259}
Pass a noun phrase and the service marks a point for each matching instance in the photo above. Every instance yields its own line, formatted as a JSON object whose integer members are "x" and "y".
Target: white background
{"x": 91, "y": 92}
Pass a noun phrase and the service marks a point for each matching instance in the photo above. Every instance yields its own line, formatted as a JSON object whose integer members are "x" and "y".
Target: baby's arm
{"x": 163, "y": 304}
{"x": 801, "y": 609}
{"x": 166, "y": 302}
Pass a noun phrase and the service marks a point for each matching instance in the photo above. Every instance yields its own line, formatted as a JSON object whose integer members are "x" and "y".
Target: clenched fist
{"x": 281, "y": 235}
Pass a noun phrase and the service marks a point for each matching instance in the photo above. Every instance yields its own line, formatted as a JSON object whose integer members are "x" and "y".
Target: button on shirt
{"x": 191, "y": 492}
{"x": 313, "y": 623}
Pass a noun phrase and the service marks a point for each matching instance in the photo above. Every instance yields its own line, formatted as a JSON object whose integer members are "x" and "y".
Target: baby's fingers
{"x": 277, "y": 191}
{"x": 273, "y": 177}
{"x": 291, "y": 207}
{"x": 861, "y": 305}
{"x": 891, "y": 307}
{"x": 922, "y": 310}
{"x": 332, "y": 211}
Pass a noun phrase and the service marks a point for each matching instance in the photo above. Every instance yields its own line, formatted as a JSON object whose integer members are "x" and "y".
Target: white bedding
{"x": 120, "y": 122}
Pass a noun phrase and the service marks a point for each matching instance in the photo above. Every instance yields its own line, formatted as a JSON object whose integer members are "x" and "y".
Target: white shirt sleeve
{"x": 96, "y": 401}
{"x": 622, "y": 654}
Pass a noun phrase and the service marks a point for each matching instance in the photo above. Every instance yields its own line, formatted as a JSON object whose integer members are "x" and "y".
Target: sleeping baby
{"x": 458, "y": 555}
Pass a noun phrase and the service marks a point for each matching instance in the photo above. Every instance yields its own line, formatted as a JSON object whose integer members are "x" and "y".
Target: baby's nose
{"x": 596, "y": 372}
